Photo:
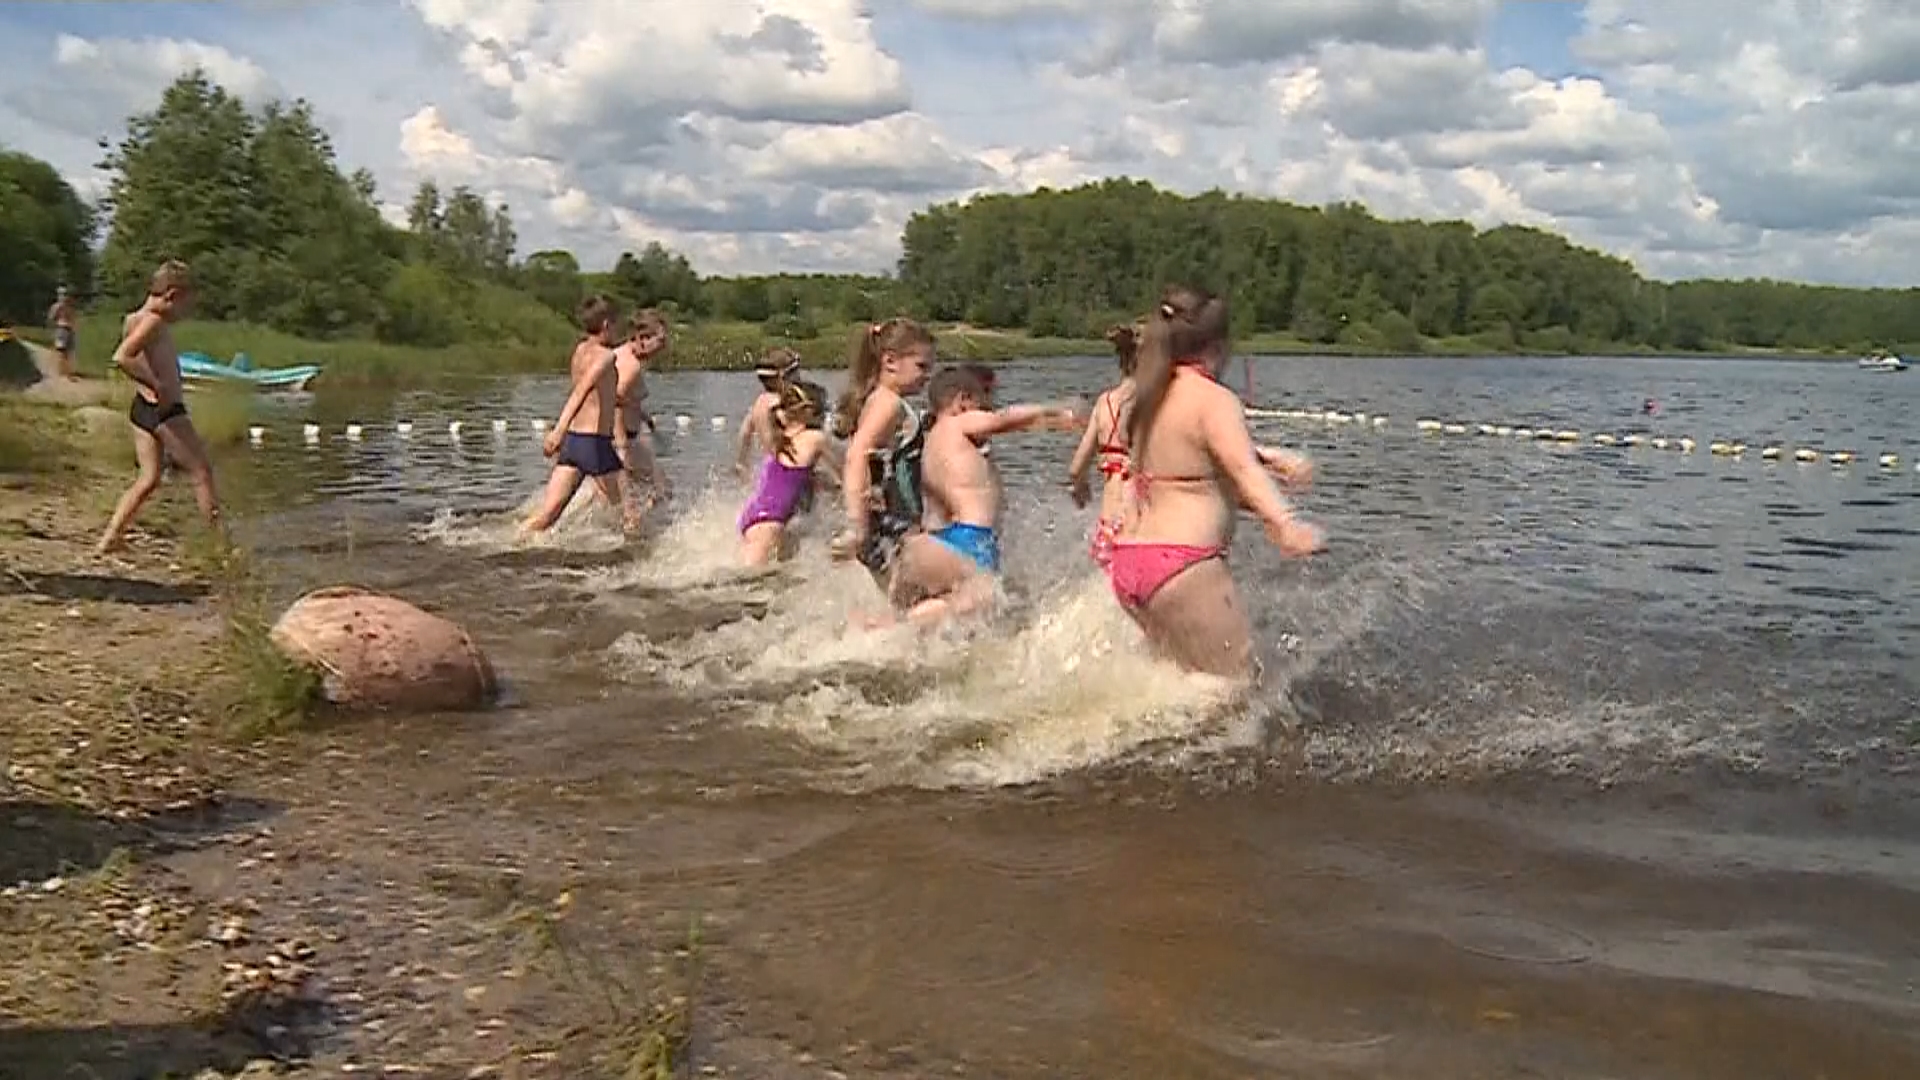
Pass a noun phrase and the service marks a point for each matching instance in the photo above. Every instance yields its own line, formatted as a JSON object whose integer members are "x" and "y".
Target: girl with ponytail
{"x": 1106, "y": 437}
{"x": 1192, "y": 463}
{"x": 889, "y": 363}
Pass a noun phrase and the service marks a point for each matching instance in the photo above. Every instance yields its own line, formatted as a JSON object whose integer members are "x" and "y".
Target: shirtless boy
{"x": 588, "y": 441}
{"x": 162, "y": 430}
{"x": 647, "y": 338}
{"x": 954, "y": 565}
{"x": 61, "y": 316}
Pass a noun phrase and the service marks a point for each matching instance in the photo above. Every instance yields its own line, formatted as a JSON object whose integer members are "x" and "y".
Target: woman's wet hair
{"x": 646, "y": 321}
{"x": 870, "y": 343}
{"x": 1186, "y": 325}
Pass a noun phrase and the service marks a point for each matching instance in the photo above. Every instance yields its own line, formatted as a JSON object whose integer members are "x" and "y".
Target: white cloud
{"x": 1753, "y": 137}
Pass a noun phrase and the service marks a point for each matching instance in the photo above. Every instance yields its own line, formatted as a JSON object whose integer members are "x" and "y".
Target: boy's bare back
{"x": 959, "y": 478}
{"x": 597, "y": 412}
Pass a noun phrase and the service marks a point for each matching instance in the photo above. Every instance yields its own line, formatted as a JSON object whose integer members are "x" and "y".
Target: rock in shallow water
{"x": 380, "y": 652}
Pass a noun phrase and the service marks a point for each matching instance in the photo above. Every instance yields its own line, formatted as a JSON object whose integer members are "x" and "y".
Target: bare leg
{"x": 146, "y": 450}
{"x": 182, "y": 443}
{"x": 1197, "y": 621}
{"x": 761, "y": 543}
{"x": 614, "y": 487}
{"x": 560, "y": 488}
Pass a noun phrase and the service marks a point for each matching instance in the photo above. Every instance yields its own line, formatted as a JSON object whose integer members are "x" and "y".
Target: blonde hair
{"x": 171, "y": 275}
{"x": 1187, "y": 322}
{"x": 648, "y": 320}
{"x": 870, "y": 345}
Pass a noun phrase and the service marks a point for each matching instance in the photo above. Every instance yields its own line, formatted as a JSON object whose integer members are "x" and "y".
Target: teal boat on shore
{"x": 199, "y": 368}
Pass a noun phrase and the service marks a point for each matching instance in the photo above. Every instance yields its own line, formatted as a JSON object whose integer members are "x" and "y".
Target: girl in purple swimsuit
{"x": 786, "y": 476}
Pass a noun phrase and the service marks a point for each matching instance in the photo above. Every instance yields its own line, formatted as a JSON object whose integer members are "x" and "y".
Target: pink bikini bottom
{"x": 1139, "y": 570}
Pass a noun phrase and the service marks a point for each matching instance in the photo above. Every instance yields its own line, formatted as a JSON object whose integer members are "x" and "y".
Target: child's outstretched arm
{"x": 980, "y": 424}
{"x": 1082, "y": 461}
{"x": 1232, "y": 446}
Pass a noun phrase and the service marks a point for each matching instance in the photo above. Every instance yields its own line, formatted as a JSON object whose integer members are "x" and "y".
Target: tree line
{"x": 1077, "y": 260}
{"x": 278, "y": 234}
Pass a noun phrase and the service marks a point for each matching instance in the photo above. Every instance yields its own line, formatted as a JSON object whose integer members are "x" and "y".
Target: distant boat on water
{"x": 198, "y": 367}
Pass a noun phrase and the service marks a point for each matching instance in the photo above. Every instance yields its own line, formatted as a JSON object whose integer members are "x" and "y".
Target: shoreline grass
{"x": 728, "y": 346}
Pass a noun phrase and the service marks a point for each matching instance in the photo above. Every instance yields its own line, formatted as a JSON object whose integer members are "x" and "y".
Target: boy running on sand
{"x": 954, "y": 565}
{"x": 162, "y": 431}
{"x": 588, "y": 442}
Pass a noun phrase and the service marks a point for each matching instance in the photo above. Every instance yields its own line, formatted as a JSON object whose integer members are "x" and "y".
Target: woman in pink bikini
{"x": 1105, "y": 438}
{"x": 1190, "y": 456}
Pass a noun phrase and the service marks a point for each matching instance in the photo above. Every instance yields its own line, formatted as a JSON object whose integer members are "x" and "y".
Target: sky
{"x": 1743, "y": 138}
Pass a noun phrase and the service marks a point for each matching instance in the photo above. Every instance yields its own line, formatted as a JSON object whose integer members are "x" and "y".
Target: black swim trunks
{"x": 593, "y": 455}
{"x": 148, "y": 417}
{"x": 63, "y": 339}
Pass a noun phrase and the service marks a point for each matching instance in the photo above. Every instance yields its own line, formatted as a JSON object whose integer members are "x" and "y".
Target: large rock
{"x": 378, "y": 652}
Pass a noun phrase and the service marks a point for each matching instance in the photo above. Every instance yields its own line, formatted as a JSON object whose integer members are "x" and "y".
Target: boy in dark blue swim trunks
{"x": 588, "y": 441}
{"x": 955, "y": 563}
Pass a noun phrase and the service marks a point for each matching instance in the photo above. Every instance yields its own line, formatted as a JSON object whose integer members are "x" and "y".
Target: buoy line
{"x": 1684, "y": 444}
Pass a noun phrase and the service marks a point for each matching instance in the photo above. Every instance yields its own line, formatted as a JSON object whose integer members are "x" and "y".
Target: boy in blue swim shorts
{"x": 958, "y": 558}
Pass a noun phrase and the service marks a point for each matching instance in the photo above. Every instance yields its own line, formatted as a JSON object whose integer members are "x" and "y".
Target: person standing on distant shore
{"x": 161, "y": 428}
{"x": 61, "y": 317}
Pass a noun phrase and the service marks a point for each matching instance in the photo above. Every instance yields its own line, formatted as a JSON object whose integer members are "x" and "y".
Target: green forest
{"x": 281, "y": 236}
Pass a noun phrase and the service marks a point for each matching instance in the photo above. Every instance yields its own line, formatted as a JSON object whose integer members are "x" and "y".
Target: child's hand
{"x": 1296, "y": 538}
{"x": 1081, "y": 490}
{"x": 845, "y": 545}
{"x": 1067, "y": 416}
{"x": 551, "y": 444}
{"x": 1293, "y": 471}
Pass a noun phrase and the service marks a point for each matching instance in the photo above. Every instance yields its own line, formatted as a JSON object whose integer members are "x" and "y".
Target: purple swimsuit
{"x": 778, "y": 495}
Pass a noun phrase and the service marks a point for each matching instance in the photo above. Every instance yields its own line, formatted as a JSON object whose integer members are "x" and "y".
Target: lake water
{"x": 1570, "y": 760}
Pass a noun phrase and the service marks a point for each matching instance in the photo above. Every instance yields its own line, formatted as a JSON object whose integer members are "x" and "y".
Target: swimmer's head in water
{"x": 597, "y": 320}
{"x": 897, "y": 352}
{"x": 170, "y": 289}
{"x": 802, "y": 402}
{"x": 958, "y": 389}
{"x": 1187, "y": 326}
{"x": 776, "y": 367}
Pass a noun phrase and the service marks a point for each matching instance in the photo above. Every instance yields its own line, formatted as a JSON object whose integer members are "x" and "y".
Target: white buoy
{"x": 717, "y": 423}
{"x": 1567, "y": 436}
{"x": 683, "y": 422}
{"x": 353, "y": 432}
{"x": 1720, "y": 448}
{"x": 1686, "y": 446}
{"x": 256, "y": 434}
{"x": 1523, "y": 433}
{"x": 453, "y": 428}
{"x": 1806, "y": 454}
{"x": 1379, "y": 421}
{"x": 1604, "y": 439}
{"x": 499, "y": 427}
{"x": 1427, "y": 425}
{"x": 1841, "y": 457}
{"x": 1659, "y": 442}
{"x": 1769, "y": 453}
{"x": 1889, "y": 461}
{"x": 536, "y": 425}
{"x": 1455, "y": 429}
{"x": 1502, "y": 430}
{"x": 1484, "y": 429}
{"x": 311, "y": 432}
{"x": 404, "y": 428}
